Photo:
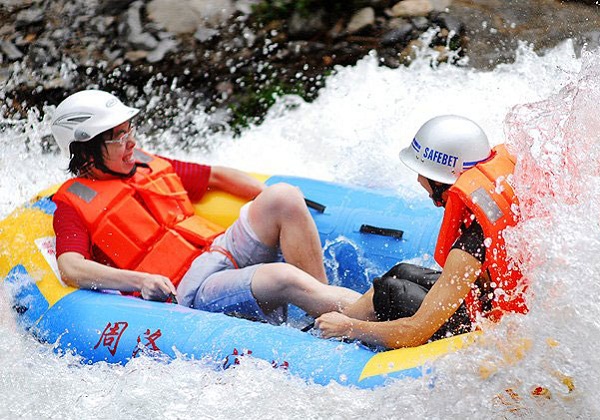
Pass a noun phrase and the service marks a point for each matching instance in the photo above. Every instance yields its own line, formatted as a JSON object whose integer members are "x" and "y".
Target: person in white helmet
{"x": 410, "y": 305}
{"x": 125, "y": 222}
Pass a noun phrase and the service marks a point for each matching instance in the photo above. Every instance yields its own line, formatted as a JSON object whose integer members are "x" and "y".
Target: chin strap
{"x": 437, "y": 190}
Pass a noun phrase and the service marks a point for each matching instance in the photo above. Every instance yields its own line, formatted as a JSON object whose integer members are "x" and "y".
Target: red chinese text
{"x": 111, "y": 335}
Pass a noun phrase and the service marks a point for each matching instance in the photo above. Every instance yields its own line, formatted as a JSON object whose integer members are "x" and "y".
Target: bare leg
{"x": 279, "y": 217}
{"x": 277, "y": 284}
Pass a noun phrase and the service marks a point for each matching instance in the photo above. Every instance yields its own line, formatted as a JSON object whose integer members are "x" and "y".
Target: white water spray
{"x": 352, "y": 133}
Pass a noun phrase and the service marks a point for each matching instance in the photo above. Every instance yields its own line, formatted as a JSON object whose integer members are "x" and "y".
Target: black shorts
{"x": 400, "y": 292}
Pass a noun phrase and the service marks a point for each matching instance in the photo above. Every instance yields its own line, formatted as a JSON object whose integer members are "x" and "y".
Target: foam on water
{"x": 352, "y": 133}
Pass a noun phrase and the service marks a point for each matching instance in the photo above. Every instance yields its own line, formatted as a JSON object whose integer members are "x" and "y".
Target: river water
{"x": 352, "y": 133}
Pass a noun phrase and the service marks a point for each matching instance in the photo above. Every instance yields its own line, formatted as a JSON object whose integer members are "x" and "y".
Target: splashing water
{"x": 352, "y": 133}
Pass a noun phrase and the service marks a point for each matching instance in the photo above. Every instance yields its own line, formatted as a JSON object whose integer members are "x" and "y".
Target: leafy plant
{"x": 252, "y": 107}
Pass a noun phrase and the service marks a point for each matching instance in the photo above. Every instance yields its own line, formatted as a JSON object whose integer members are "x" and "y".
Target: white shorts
{"x": 213, "y": 284}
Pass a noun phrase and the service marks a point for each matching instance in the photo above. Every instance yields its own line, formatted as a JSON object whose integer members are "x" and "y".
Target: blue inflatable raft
{"x": 363, "y": 234}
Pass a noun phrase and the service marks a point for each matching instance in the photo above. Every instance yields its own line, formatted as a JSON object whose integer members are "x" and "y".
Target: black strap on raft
{"x": 308, "y": 327}
{"x": 320, "y": 208}
{"x": 20, "y": 309}
{"x": 375, "y": 230}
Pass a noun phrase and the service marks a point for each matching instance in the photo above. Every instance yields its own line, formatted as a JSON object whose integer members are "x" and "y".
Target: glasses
{"x": 123, "y": 138}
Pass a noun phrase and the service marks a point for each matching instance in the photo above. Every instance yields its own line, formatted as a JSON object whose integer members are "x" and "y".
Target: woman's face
{"x": 118, "y": 153}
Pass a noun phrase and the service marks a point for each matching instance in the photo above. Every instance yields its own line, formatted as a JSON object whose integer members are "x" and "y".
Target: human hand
{"x": 156, "y": 287}
{"x": 335, "y": 324}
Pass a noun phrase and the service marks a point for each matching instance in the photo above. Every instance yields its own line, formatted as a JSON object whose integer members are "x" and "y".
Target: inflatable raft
{"x": 363, "y": 233}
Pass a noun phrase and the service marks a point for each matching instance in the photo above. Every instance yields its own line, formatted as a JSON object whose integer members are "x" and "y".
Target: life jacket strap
{"x": 221, "y": 250}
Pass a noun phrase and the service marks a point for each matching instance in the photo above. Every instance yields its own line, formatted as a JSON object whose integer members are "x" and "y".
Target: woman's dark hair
{"x": 438, "y": 188}
{"x": 83, "y": 154}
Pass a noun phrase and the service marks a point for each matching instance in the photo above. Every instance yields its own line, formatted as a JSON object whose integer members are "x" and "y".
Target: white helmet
{"x": 85, "y": 114}
{"x": 446, "y": 146}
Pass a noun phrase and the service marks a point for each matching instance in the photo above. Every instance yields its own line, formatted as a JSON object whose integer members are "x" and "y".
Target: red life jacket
{"x": 484, "y": 192}
{"x": 143, "y": 223}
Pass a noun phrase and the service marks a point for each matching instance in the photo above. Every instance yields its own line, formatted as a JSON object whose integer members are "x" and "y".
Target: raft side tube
{"x": 114, "y": 329}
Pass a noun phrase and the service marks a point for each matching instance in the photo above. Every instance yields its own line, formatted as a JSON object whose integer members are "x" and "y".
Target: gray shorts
{"x": 213, "y": 284}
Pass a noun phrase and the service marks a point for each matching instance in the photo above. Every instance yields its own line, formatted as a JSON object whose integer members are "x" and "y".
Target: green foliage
{"x": 252, "y": 107}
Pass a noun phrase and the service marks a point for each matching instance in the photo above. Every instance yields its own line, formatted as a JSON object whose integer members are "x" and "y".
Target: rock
{"x": 28, "y": 17}
{"x": 136, "y": 37}
{"x": 494, "y": 28}
{"x": 165, "y": 46}
{"x": 225, "y": 89}
{"x": 136, "y": 55}
{"x": 442, "y": 51}
{"x": 421, "y": 23}
{"x": 143, "y": 40}
{"x": 245, "y": 6}
{"x": 39, "y": 56}
{"x": 56, "y": 83}
{"x": 203, "y": 34}
{"x": 337, "y": 30}
{"x": 85, "y": 41}
{"x": 10, "y": 51}
{"x": 450, "y": 22}
{"x": 249, "y": 36}
{"x": 379, "y": 3}
{"x": 397, "y": 23}
{"x": 59, "y": 34}
{"x": 112, "y": 7}
{"x": 298, "y": 47}
{"x": 184, "y": 16}
{"x": 4, "y": 75}
{"x": 409, "y": 8}
{"x": 409, "y": 53}
{"x": 396, "y": 36}
{"x": 590, "y": 39}
{"x": 306, "y": 26}
{"x": 7, "y": 30}
{"x": 9, "y": 4}
{"x": 112, "y": 55}
{"x": 361, "y": 19}
{"x": 440, "y": 5}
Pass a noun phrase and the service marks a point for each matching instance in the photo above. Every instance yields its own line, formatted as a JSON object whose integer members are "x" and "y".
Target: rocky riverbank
{"x": 235, "y": 56}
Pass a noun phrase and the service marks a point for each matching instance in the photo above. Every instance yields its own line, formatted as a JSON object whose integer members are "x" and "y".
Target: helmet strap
{"x": 438, "y": 189}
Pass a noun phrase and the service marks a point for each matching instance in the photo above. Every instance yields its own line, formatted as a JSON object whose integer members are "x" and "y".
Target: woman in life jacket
{"x": 125, "y": 221}
{"x": 410, "y": 305}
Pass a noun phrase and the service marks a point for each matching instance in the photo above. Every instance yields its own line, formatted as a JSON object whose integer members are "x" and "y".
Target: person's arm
{"x": 76, "y": 271}
{"x": 234, "y": 182}
{"x": 460, "y": 272}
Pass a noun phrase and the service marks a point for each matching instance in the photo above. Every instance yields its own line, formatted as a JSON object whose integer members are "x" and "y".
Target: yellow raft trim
{"x": 410, "y": 357}
{"x": 20, "y": 230}
{"x": 222, "y": 208}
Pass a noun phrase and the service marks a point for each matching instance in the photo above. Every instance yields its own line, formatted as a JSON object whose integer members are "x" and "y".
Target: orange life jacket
{"x": 143, "y": 223}
{"x": 484, "y": 191}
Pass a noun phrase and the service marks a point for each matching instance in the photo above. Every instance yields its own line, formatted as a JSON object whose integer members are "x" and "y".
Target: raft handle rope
{"x": 320, "y": 208}
{"x": 375, "y": 230}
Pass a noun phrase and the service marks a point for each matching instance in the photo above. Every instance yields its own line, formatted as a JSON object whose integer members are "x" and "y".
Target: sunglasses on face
{"x": 123, "y": 138}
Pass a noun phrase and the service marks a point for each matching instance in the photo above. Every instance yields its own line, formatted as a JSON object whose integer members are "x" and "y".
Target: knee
{"x": 403, "y": 270}
{"x": 395, "y": 298}
{"x": 284, "y": 199}
{"x": 290, "y": 279}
